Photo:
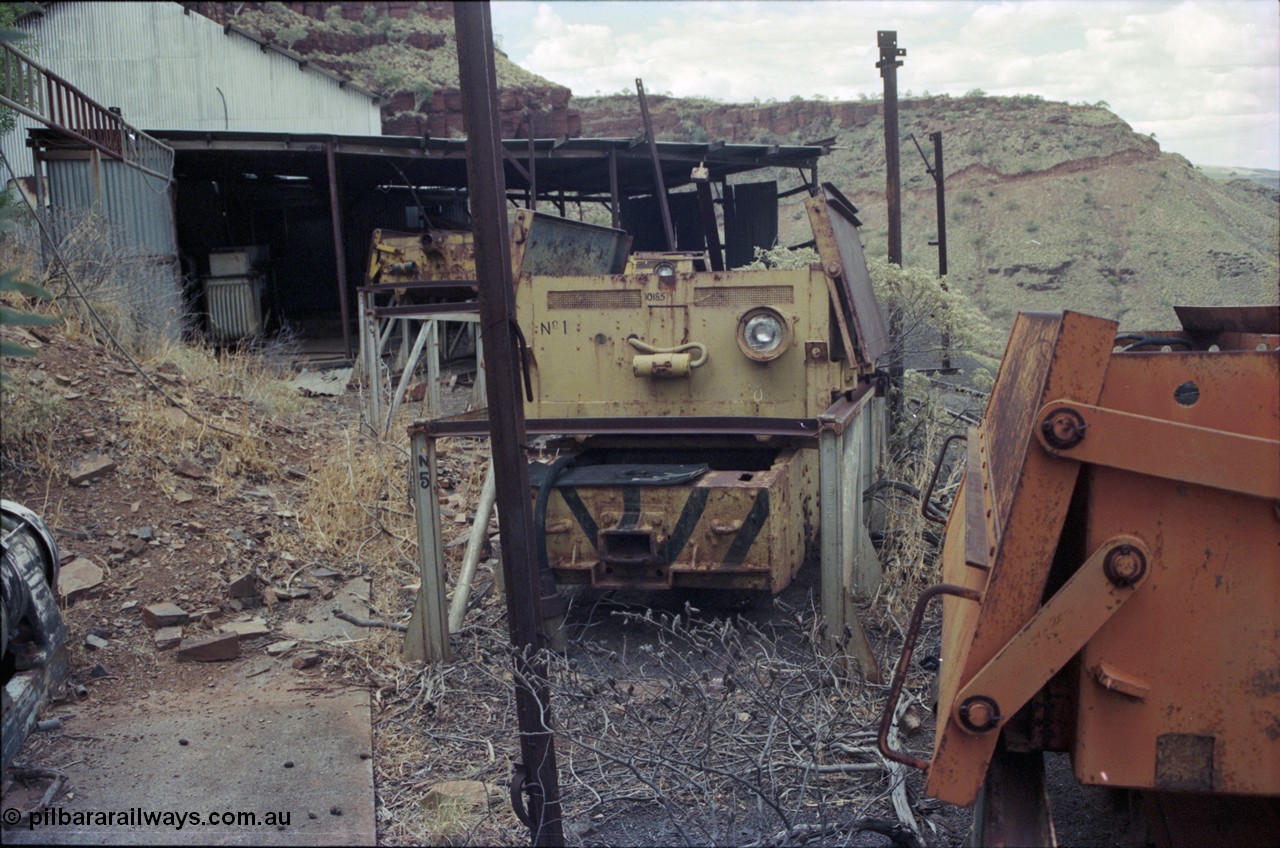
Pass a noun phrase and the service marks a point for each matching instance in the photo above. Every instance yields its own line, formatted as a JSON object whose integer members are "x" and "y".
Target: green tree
{"x": 9, "y": 281}
{"x": 9, "y": 14}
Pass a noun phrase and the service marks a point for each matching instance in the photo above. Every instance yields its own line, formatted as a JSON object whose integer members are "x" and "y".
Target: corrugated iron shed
{"x": 165, "y": 66}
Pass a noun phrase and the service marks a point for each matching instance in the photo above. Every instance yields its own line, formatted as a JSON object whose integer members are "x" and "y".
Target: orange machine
{"x": 1111, "y": 574}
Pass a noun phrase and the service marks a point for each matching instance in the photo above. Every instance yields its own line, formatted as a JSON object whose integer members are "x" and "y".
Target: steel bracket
{"x": 1167, "y": 449}
{"x": 1056, "y": 633}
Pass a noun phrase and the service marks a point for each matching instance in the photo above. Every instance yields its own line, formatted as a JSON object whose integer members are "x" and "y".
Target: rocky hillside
{"x": 1049, "y": 205}
{"x": 406, "y": 52}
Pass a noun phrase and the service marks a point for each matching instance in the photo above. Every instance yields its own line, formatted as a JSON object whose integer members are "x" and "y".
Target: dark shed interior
{"x": 313, "y": 201}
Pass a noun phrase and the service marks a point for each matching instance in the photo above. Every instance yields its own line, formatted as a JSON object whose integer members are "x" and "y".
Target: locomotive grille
{"x": 721, "y": 297}
{"x": 625, "y": 299}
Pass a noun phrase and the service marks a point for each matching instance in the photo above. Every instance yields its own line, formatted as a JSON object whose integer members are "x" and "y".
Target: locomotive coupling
{"x": 664, "y": 363}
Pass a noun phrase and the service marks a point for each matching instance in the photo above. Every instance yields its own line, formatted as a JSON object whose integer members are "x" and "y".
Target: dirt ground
{"x": 189, "y": 508}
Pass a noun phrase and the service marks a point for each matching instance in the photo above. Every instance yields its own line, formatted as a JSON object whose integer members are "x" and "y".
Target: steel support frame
{"x": 376, "y": 325}
{"x": 1052, "y": 636}
{"x": 1234, "y": 462}
{"x": 850, "y": 444}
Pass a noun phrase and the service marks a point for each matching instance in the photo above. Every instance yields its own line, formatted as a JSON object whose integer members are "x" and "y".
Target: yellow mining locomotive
{"x": 694, "y": 402}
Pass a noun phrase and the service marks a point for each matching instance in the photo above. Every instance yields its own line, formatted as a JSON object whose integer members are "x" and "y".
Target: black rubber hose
{"x": 552, "y": 603}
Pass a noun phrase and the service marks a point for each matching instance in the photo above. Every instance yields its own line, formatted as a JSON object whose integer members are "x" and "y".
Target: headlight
{"x": 763, "y": 334}
{"x": 666, "y": 272}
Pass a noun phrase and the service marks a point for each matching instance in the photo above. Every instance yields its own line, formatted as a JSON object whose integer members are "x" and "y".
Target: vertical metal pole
{"x": 659, "y": 183}
{"x": 614, "y": 201}
{"x": 370, "y": 353}
{"x": 46, "y": 243}
{"x": 940, "y": 192}
{"x": 428, "y": 635}
{"x": 536, "y": 778}
{"x": 433, "y": 370}
{"x": 888, "y": 65}
{"x": 709, "y": 226}
{"x": 339, "y": 249}
{"x": 830, "y": 487}
{"x": 533, "y": 166}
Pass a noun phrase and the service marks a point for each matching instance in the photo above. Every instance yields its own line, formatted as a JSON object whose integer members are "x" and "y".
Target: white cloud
{"x": 1205, "y": 76}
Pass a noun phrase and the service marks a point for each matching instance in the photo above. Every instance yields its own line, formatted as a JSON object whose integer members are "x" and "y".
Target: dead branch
{"x": 338, "y": 612}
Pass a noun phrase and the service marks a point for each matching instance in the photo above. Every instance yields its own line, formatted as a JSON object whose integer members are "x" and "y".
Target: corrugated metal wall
{"x": 115, "y": 224}
{"x": 167, "y": 69}
{"x": 135, "y": 206}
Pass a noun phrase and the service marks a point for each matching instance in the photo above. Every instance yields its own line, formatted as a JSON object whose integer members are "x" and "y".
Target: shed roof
{"x": 580, "y": 167}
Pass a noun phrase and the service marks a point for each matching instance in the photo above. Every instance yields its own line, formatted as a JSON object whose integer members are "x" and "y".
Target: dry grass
{"x": 625, "y": 715}
{"x": 30, "y": 417}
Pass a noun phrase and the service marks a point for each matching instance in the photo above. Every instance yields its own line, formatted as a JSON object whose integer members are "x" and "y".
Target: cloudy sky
{"x": 1203, "y": 75}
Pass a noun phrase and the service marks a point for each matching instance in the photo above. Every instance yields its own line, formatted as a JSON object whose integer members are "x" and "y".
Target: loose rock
{"x": 164, "y": 615}
{"x": 244, "y": 586}
{"x": 252, "y": 629}
{"x": 90, "y": 468}
{"x": 168, "y": 637}
{"x": 190, "y": 470}
{"x": 77, "y": 577}
{"x": 224, "y": 646}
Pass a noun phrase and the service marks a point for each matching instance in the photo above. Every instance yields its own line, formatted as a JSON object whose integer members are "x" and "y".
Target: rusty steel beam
{"x": 660, "y": 185}
{"x": 803, "y": 428}
{"x": 706, "y": 205}
{"x": 888, "y": 65}
{"x": 339, "y": 249}
{"x": 535, "y": 791}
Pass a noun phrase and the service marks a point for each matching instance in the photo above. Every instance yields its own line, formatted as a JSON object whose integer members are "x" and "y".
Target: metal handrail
{"x": 31, "y": 89}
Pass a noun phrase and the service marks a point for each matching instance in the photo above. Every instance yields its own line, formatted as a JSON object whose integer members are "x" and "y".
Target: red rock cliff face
{"x": 734, "y": 123}
{"x": 547, "y": 109}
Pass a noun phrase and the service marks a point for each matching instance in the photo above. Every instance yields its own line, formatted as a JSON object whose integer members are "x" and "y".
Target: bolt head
{"x": 979, "y": 713}
{"x": 1064, "y": 428}
{"x": 1125, "y": 565}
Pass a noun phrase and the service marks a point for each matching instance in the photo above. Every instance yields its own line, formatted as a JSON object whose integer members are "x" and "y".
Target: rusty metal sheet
{"x": 543, "y": 244}
{"x": 1240, "y": 319}
{"x": 1048, "y": 356}
{"x": 977, "y": 537}
{"x": 1210, "y": 605}
{"x": 835, "y": 231}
